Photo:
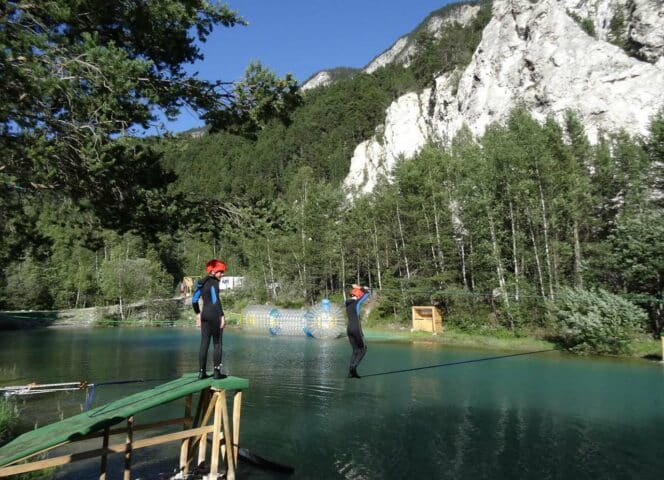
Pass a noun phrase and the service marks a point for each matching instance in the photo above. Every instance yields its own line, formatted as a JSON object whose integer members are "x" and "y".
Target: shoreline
{"x": 92, "y": 317}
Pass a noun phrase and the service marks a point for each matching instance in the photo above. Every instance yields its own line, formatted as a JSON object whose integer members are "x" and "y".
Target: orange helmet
{"x": 357, "y": 292}
{"x": 214, "y": 266}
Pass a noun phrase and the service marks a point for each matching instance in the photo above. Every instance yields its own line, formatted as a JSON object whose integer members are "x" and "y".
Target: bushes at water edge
{"x": 8, "y": 420}
{"x": 596, "y": 322}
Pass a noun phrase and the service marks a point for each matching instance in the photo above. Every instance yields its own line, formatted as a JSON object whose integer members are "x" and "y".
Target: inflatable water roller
{"x": 320, "y": 321}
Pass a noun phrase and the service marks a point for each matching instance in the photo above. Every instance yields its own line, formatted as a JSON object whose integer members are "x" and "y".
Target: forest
{"x": 529, "y": 229}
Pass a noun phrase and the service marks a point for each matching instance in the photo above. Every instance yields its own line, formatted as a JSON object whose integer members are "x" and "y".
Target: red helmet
{"x": 214, "y": 266}
{"x": 357, "y": 292}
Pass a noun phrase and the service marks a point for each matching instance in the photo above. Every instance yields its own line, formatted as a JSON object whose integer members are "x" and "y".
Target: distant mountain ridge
{"x": 602, "y": 59}
{"x": 403, "y": 50}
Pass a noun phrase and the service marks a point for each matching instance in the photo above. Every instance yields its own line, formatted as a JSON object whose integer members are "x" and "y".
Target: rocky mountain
{"x": 603, "y": 59}
{"x": 327, "y": 77}
{"x": 403, "y": 50}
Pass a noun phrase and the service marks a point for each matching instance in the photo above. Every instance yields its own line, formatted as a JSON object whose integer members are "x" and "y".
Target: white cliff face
{"x": 647, "y": 28}
{"x": 404, "y": 134}
{"x": 321, "y": 79}
{"x": 643, "y": 22}
{"x": 404, "y": 49}
{"x": 535, "y": 55}
{"x": 399, "y": 52}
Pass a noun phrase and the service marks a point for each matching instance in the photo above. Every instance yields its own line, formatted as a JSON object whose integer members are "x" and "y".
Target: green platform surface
{"x": 110, "y": 414}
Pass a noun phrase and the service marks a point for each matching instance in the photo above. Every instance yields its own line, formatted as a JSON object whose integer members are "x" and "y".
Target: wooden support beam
{"x": 202, "y": 440}
{"x": 196, "y": 422}
{"x": 230, "y": 464}
{"x": 237, "y": 408}
{"x": 117, "y": 431}
{"x": 200, "y": 407}
{"x": 184, "y": 448}
{"x": 117, "y": 448}
{"x": 128, "y": 448}
{"x": 216, "y": 436}
{"x": 171, "y": 437}
{"x": 104, "y": 456}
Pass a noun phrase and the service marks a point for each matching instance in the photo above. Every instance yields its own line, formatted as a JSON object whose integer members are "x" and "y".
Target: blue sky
{"x": 303, "y": 37}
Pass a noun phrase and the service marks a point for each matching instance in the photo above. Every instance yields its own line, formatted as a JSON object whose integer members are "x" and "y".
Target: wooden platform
{"x": 96, "y": 423}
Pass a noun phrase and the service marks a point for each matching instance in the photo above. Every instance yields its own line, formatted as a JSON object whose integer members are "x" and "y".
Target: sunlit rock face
{"x": 321, "y": 79}
{"x": 638, "y": 23}
{"x": 404, "y": 48}
{"x": 536, "y": 55}
{"x": 404, "y": 133}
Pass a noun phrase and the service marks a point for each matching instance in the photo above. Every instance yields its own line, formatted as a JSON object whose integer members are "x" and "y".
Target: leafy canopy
{"x": 78, "y": 75}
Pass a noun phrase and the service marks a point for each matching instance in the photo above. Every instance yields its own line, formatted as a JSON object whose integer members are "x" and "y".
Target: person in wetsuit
{"x": 211, "y": 320}
{"x": 354, "y": 330}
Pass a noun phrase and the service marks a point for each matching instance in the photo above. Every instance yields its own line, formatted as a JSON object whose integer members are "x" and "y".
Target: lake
{"x": 546, "y": 415}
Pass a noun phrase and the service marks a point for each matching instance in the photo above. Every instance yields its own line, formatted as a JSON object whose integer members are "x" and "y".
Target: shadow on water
{"x": 653, "y": 357}
{"x": 27, "y": 320}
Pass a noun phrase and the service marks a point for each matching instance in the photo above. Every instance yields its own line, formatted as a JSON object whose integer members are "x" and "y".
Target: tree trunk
{"x": 343, "y": 271}
{"x": 537, "y": 260}
{"x": 432, "y": 245}
{"x": 515, "y": 259}
{"x": 439, "y": 245}
{"x": 556, "y": 263}
{"x": 122, "y": 312}
{"x": 300, "y": 273}
{"x": 303, "y": 237}
{"x": 545, "y": 226}
{"x": 273, "y": 286}
{"x": 461, "y": 247}
{"x": 403, "y": 243}
{"x": 265, "y": 279}
{"x": 472, "y": 276}
{"x": 499, "y": 263}
{"x": 378, "y": 270}
{"x": 578, "y": 260}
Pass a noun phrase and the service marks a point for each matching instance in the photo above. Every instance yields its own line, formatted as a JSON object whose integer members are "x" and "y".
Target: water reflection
{"x": 544, "y": 416}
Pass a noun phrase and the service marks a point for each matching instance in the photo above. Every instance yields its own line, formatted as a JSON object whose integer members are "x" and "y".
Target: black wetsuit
{"x": 354, "y": 331}
{"x": 210, "y": 319}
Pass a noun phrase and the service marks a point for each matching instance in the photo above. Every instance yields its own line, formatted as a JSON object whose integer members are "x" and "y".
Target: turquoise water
{"x": 545, "y": 416}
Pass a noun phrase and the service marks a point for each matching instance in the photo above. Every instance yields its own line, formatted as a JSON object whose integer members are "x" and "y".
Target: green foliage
{"x": 634, "y": 263}
{"x": 8, "y": 420}
{"x": 617, "y": 27}
{"x": 589, "y": 27}
{"x": 468, "y": 315}
{"x": 619, "y": 31}
{"x": 128, "y": 280}
{"x": 258, "y": 98}
{"x": 451, "y": 50}
{"x": 586, "y": 24}
{"x": 489, "y": 229}
{"x": 26, "y": 286}
{"x": 596, "y": 322}
{"x": 655, "y": 149}
{"x": 78, "y": 75}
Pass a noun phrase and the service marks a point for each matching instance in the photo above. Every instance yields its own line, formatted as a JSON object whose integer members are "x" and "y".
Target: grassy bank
{"x": 642, "y": 347}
